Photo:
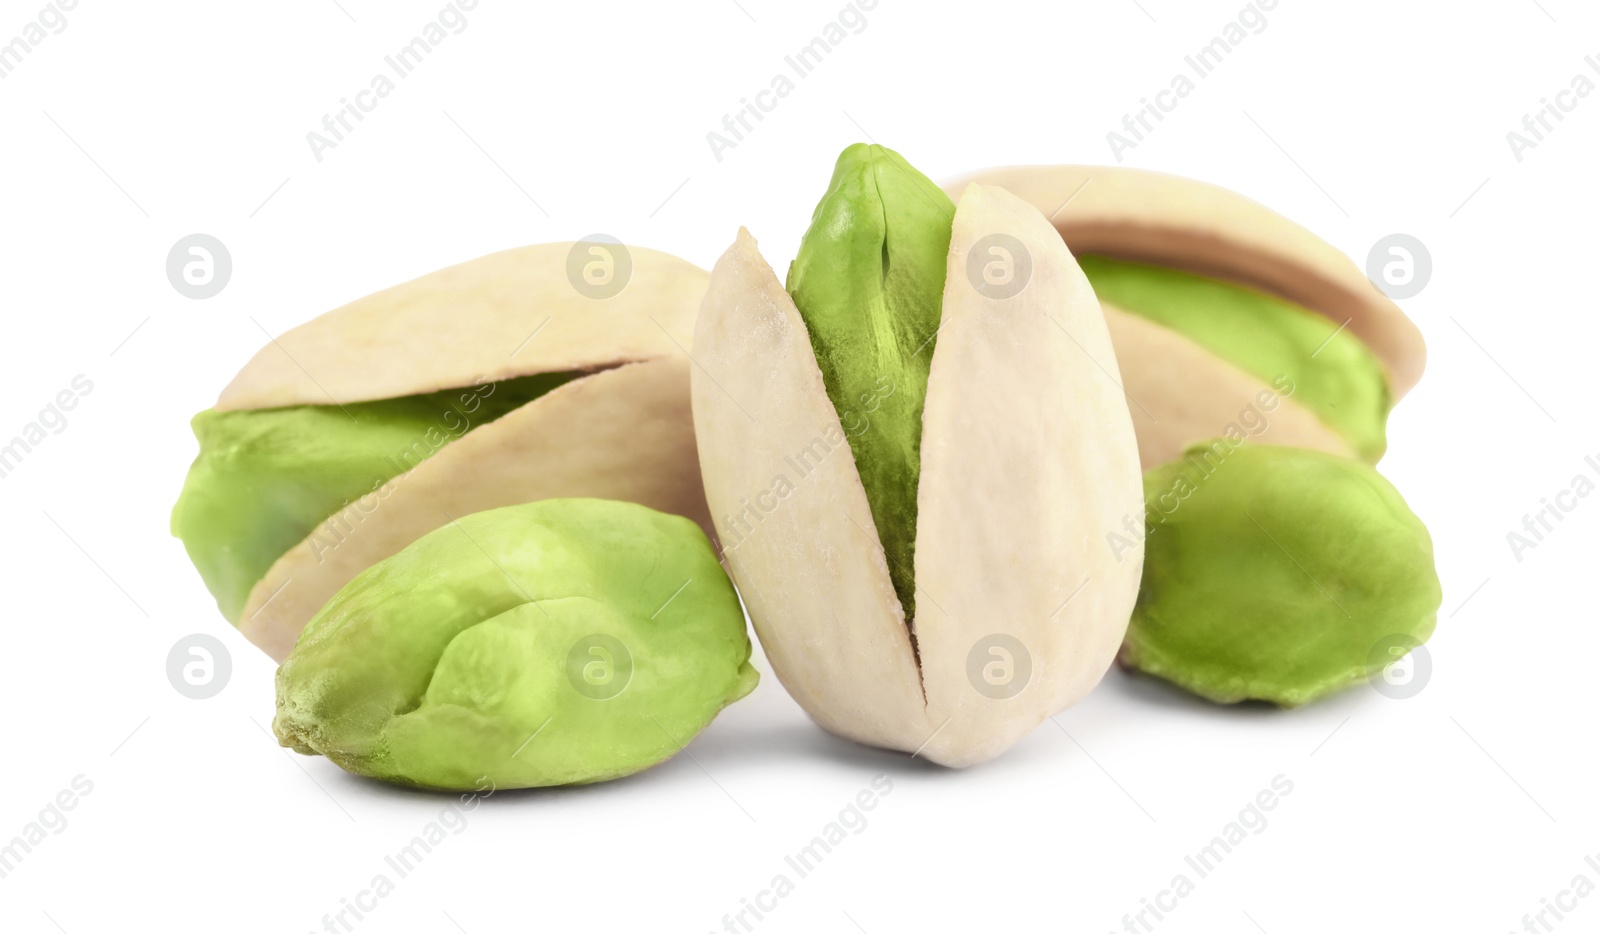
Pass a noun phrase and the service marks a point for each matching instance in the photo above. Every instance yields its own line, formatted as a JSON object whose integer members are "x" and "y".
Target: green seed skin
{"x": 266, "y": 478}
{"x": 1274, "y": 576}
{"x": 446, "y": 665}
{"x": 1336, "y": 377}
{"x": 868, "y": 281}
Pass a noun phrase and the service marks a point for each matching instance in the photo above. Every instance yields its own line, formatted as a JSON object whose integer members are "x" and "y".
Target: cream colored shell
{"x": 622, "y": 432}
{"x": 508, "y": 314}
{"x": 1181, "y": 393}
{"x": 1028, "y": 462}
{"x": 1185, "y": 224}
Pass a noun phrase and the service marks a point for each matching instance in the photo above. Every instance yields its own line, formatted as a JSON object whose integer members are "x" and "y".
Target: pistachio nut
{"x": 1274, "y": 573}
{"x": 1220, "y": 308}
{"x": 507, "y": 379}
{"x": 912, "y": 457}
{"x": 558, "y": 642}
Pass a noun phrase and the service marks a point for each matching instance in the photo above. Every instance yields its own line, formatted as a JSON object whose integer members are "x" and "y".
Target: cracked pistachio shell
{"x": 265, "y": 478}
{"x": 619, "y": 428}
{"x": 1271, "y": 573}
{"x": 1317, "y": 365}
{"x": 1180, "y": 391}
{"x": 551, "y": 643}
{"x": 1028, "y": 459}
{"x": 1191, "y": 225}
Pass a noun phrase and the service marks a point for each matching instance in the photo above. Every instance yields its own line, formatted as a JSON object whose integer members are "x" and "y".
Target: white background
{"x": 1458, "y": 810}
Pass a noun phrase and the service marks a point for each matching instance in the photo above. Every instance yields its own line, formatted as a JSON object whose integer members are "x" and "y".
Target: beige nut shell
{"x": 508, "y": 314}
{"x": 1181, "y": 393}
{"x": 624, "y": 431}
{"x": 1028, "y": 461}
{"x": 1185, "y": 224}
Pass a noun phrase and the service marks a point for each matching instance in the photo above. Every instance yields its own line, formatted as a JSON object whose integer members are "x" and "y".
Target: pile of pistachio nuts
{"x": 981, "y": 442}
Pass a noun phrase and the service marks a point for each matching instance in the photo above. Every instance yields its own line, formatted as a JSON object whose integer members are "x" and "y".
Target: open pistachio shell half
{"x": 1216, "y": 303}
{"x": 503, "y": 380}
{"x": 1026, "y": 454}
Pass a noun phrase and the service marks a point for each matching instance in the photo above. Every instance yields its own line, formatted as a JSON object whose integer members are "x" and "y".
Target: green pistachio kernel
{"x": 558, "y": 642}
{"x": 869, "y": 282}
{"x": 266, "y": 478}
{"x": 1270, "y": 573}
{"x": 1334, "y": 374}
